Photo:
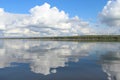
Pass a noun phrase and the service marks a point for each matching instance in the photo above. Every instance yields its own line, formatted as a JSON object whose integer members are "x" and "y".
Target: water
{"x": 57, "y": 60}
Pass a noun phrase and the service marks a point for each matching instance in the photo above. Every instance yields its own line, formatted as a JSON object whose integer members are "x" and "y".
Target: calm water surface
{"x": 57, "y": 60}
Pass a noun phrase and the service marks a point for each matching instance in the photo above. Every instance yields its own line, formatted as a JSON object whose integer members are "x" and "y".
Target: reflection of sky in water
{"x": 41, "y": 55}
{"x": 44, "y": 55}
{"x": 111, "y": 65}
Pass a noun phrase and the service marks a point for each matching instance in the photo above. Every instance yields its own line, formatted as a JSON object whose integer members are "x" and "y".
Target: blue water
{"x": 58, "y": 60}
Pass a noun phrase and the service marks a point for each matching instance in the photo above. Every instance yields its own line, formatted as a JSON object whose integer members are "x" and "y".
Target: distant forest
{"x": 76, "y": 38}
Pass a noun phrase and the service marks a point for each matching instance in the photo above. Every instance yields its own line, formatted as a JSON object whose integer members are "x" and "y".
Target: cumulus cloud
{"x": 45, "y": 20}
{"x": 110, "y": 14}
{"x": 42, "y": 20}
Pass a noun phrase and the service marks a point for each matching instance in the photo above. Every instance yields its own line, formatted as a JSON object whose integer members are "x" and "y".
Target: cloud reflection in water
{"x": 46, "y": 55}
{"x": 42, "y": 56}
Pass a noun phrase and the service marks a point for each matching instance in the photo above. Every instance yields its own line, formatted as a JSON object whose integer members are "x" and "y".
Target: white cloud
{"x": 110, "y": 14}
{"x": 42, "y": 20}
{"x": 45, "y": 20}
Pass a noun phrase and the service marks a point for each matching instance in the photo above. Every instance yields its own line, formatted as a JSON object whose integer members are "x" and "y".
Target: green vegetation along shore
{"x": 107, "y": 38}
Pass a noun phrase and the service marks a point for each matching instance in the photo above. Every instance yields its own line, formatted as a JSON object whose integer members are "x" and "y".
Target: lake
{"x": 59, "y": 60}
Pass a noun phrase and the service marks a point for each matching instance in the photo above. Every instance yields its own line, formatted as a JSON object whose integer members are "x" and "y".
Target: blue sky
{"x": 85, "y": 9}
{"x": 58, "y": 17}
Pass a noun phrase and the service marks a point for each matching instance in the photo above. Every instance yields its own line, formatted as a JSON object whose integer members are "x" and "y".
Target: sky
{"x": 80, "y": 8}
{"x": 59, "y": 17}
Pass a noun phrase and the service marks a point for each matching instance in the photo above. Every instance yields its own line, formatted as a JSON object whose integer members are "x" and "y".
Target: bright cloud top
{"x": 110, "y": 15}
{"x": 42, "y": 21}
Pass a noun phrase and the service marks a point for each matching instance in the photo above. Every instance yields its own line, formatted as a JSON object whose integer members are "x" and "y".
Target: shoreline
{"x": 85, "y": 38}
